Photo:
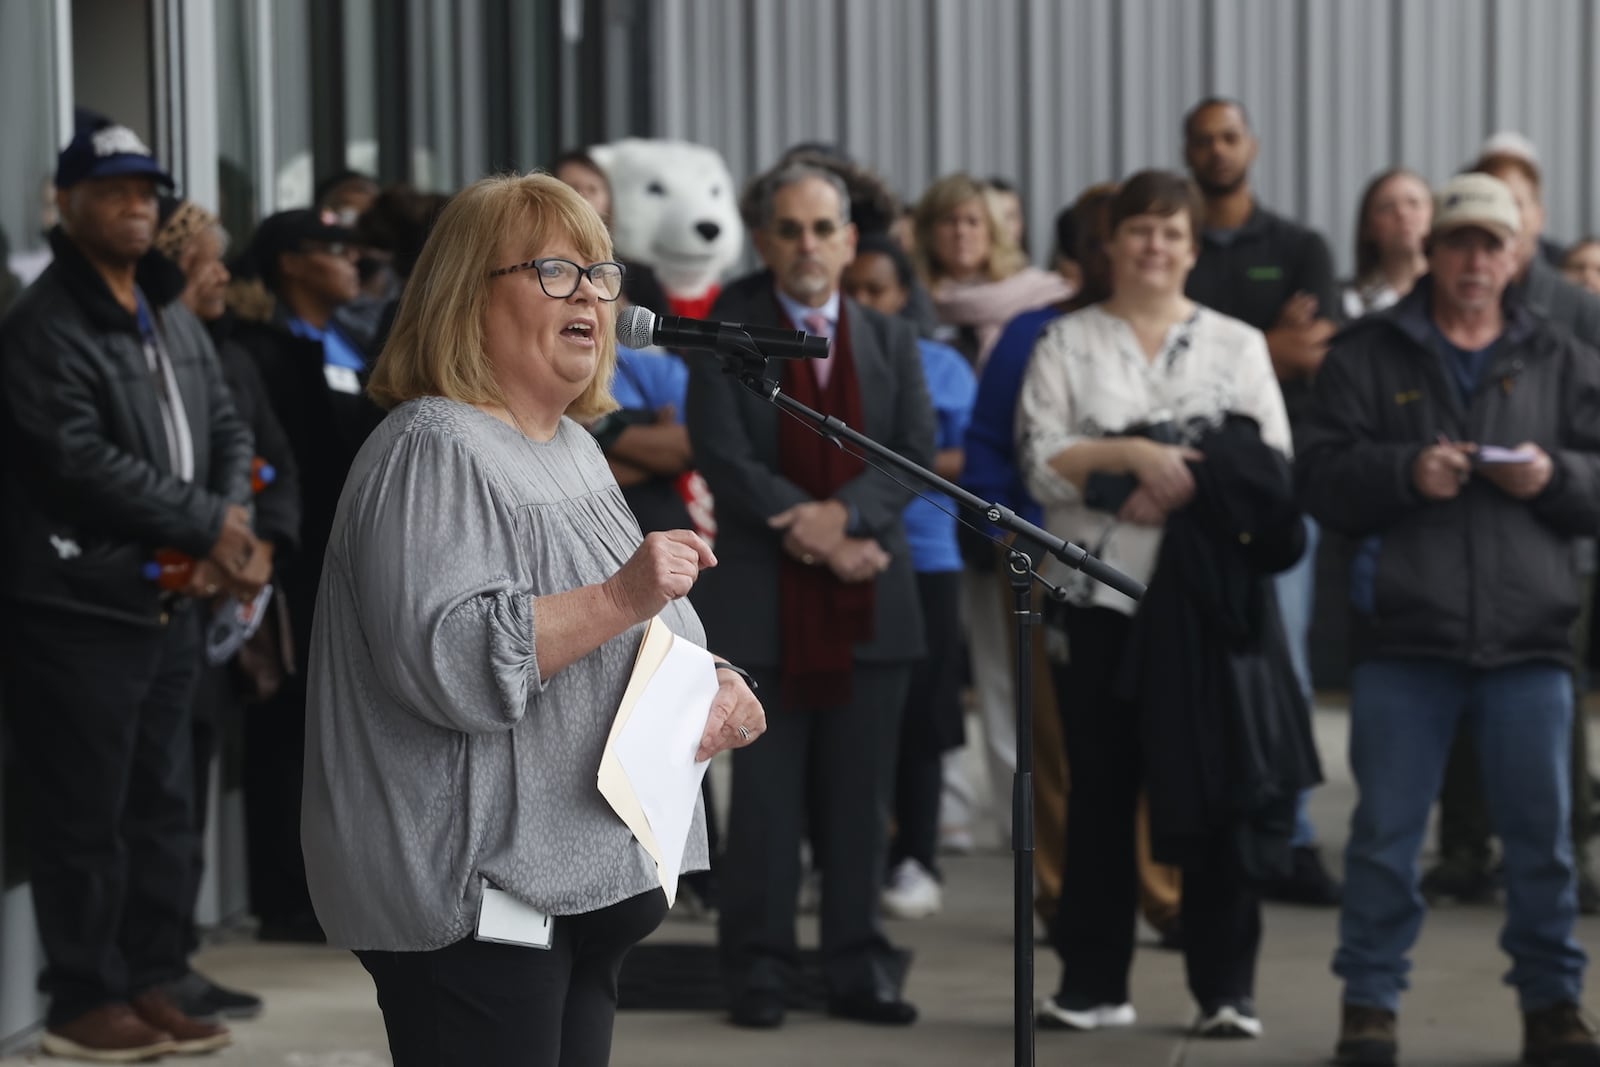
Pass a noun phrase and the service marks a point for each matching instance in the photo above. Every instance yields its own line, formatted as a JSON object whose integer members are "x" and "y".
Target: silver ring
{"x": 744, "y": 733}
{"x": 808, "y": 559}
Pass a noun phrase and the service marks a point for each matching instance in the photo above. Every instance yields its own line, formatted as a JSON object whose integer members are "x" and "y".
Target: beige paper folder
{"x": 613, "y": 780}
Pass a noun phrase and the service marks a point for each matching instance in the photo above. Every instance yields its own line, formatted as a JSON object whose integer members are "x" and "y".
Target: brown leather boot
{"x": 1366, "y": 1038}
{"x": 1559, "y": 1037}
{"x": 188, "y": 1035}
{"x": 111, "y": 1033}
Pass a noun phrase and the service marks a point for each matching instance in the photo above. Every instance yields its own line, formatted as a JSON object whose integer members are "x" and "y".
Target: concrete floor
{"x": 321, "y": 1013}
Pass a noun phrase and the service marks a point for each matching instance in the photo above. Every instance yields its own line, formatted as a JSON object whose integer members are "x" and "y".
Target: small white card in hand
{"x": 504, "y": 918}
{"x": 1496, "y": 454}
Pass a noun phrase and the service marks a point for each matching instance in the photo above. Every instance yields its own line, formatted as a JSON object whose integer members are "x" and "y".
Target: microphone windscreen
{"x": 635, "y": 327}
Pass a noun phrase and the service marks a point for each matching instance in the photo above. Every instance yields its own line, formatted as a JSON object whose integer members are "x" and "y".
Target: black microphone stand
{"x": 749, "y": 368}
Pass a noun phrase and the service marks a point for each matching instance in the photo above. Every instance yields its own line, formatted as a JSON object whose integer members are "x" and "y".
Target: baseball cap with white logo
{"x": 104, "y": 151}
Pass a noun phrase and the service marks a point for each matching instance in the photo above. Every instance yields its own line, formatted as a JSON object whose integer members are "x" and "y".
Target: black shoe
{"x": 757, "y": 1009}
{"x": 1308, "y": 883}
{"x": 1559, "y": 1037}
{"x": 200, "y": 998}
{"x": 1461, "y": 880}
{"x": 1367, "y": 1038}
{"x": 867, "y": 1009}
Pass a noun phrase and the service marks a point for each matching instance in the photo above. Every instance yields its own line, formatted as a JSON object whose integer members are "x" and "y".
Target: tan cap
{"x": 1476, "y": 200}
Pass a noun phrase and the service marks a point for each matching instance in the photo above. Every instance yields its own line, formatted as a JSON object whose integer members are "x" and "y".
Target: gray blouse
{"x": 437, "y": 754}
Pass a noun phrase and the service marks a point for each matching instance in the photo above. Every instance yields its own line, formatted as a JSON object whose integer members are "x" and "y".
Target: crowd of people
{"x": 407, "y": 414}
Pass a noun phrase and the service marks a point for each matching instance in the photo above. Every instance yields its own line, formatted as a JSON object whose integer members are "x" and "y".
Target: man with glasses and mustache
{"x": 812, "y": 596}
{"x": 315, "y": 375}
{"x": 1456, "y": 438}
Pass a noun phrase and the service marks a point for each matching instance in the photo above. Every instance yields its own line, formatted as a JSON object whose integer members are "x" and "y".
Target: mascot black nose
{"x": 708, "y": 230}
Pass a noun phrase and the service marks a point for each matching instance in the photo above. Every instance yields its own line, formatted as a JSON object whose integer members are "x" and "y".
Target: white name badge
{"x": 341, "y": 379}
{"x": 507, "y": 920}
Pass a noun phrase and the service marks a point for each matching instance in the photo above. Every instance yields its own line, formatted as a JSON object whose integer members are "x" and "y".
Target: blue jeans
{"x": 1403, "y": 717}
{"x": 1297, "y": 588}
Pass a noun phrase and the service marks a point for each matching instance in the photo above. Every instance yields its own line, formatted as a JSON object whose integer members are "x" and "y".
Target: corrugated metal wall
{"x": 1063, "y": 93}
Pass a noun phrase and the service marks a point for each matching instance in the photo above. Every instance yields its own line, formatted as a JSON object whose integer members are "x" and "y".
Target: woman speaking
{"x": 483, "y": 600}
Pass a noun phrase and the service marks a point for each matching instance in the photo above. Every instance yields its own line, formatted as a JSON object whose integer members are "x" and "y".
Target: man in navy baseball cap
{"x": 110, "y": 387}
{"x": 106, "y": 184}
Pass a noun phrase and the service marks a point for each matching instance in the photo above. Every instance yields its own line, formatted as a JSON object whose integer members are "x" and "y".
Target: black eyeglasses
{"x": 559, "y": 278}
{"x": 790, "y": 230}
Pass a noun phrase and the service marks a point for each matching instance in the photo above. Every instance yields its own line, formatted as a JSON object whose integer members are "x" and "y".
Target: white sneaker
{"x": 1229, "y": 1020}
{"x": 912, "y": 893}
{"x": 1052, "y": 1016}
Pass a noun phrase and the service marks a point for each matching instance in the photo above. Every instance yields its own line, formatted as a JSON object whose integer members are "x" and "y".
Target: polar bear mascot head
{"x": 674, "y": 207}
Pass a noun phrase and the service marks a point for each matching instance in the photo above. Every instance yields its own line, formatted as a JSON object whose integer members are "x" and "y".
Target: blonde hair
{"x": 943, "y": 197}
{"x": 436, "y": 346}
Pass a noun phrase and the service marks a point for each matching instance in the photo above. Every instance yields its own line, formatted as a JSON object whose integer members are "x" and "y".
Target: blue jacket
{"x": 990, "y": 469}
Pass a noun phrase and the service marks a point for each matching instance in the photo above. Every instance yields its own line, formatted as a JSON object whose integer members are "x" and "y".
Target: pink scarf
{"x": 988, "y": 306}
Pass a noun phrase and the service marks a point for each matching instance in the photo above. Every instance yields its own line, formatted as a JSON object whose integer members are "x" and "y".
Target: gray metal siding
{"x": 1058, "y": 94}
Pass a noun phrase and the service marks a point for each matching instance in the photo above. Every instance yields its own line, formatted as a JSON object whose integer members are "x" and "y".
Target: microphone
{"x": 637, "y": 327}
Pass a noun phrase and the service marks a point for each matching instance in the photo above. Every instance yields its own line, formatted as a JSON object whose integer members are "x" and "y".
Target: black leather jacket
{"x": 88, "y": 490}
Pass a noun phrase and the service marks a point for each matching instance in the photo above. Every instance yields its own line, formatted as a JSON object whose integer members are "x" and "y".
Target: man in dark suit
{"x": 812, "y": 595}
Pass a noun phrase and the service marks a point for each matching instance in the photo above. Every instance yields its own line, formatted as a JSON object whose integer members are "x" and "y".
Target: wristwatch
{"x": 724, "y": 665}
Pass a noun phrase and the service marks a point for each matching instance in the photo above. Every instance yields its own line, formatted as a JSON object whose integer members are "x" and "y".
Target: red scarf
{"x": 822, "y": 618}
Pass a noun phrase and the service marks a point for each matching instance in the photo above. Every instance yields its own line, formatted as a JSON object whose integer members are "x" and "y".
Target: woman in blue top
{"x": 880, "y": 278}
{"x": 645, "y": 441}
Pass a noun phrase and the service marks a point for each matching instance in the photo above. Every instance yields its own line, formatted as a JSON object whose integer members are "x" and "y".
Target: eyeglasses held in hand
{"x": 790, "y": 230}
{"x": 559, "y": 278}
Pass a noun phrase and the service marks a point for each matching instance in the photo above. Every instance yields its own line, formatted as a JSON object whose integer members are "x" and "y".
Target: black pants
{"x": 100, "y": 715}
{"x": 274, "y": 770}
{"x": 213, "y": 703}
{"x": 835, "y": 767}
{"x": 1095, "y": 922}
{"x": 931, "y": 725}
{"x": 476, "y": 1003}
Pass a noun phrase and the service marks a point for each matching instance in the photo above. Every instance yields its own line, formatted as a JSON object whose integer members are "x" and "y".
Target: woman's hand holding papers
{"x": 736, "y": 718}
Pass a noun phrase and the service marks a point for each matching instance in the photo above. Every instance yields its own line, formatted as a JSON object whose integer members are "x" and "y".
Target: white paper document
{"x": 1497, "y": 454}
{"x": 648, "y": 772}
